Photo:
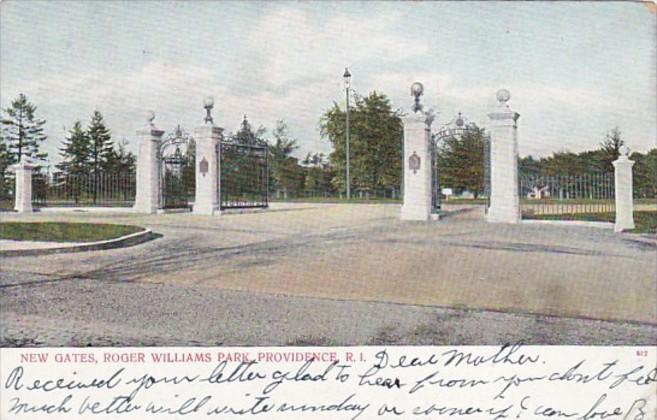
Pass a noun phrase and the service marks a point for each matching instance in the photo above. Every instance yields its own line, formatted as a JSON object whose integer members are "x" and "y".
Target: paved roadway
{"x": 334, "y": 274}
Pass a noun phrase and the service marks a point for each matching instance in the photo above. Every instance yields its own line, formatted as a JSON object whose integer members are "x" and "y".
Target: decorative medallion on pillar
{"x": 414, "y": 162}
{"x": 203, "y": 166}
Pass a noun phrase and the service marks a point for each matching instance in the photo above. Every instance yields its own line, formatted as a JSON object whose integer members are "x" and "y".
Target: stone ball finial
{"x": 503, "y": 96}
{"x": 624, "y": 151}
{"x": 208, "y": 102}
{"x": 150, "y": 116}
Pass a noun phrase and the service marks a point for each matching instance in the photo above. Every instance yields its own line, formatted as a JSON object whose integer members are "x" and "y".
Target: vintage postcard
{"x": 328, "y": 209}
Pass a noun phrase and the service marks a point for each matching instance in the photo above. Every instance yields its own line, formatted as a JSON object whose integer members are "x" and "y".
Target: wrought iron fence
{"x": 102, "y": 190}
{"x": 244, "y": 175}
{"x": 7, "y": 191}
{"x": 554, "y": 195}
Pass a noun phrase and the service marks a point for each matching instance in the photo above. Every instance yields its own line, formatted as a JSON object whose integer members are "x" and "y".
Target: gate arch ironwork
{"x": 457, "y": 127}
{"x": 177, "y": 170}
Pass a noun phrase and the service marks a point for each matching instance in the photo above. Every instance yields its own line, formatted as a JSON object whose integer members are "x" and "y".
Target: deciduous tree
{"x": 375, "y": 142}
{"x": 461, "y": 161}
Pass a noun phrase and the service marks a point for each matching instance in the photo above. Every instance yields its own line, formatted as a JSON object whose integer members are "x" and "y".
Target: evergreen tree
{"x": 101, "y": 144}
{"x": 120, "y": 159}
{"x": 76, "y": 152}
{"x": 246, "y": 135}
{"x": 22, "y": 132}
{"x": 6, "y": 183}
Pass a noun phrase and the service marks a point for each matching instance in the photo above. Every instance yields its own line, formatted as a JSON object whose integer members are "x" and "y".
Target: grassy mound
{"x": 64, "y": 232}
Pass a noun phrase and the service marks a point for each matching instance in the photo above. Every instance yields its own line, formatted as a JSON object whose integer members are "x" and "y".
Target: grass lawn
{"x": 64, "y": 232}
{"x": 644, "y": 221}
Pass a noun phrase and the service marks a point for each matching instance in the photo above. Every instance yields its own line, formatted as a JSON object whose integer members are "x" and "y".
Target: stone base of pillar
{"x": 23, "y": 208}
{"x": 145, "y": 209}
{"x": 622, "y": 225}
{"x": 503, "y": 215}
{"x": 418, "y": 213}
{"x": 207, "y": 210}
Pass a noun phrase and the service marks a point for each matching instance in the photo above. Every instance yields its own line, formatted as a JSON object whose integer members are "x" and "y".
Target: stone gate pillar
{"x": 504, "y": 199}
{"x": 207, "y": 138}
{"x": 147, "y": 199}
{"x": 23, "y": 194}
{"x": 417, "y": 161}
{"x": 623, "y": 191}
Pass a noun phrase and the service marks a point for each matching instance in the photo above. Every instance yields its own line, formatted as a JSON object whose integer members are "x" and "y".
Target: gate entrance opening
{"x": 177, "y": 171}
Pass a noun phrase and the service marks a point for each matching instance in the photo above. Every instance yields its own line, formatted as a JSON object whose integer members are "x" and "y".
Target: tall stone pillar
{"x": 147, "y": 199}
{"x": 23, "y": 195}
{"x": 623, "y": 191}
{"x": 504, "y": 199}
{"x": 417, "y": 161}
{"x": 208, "y": 138}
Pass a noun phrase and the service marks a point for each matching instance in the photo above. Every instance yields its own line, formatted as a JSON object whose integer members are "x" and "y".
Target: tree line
{"x": 91, "y": 150}
{"x": 595, "y": 162}
{"x": 376, "y": 137}
{"x": 85, "y": 150}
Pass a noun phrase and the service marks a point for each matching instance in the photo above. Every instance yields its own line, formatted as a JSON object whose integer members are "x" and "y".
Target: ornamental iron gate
{"x": 457, "y": 127}
{"x": 177, "y": 170}
{"x": 244, "y": 173}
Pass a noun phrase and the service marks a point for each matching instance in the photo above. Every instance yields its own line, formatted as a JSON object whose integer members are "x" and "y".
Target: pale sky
{"x": 575, "y": 69}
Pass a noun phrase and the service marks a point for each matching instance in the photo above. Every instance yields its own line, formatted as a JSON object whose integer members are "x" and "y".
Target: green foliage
{"x": 610, "y": 147}
{"x": 599, "y": 161}
{"x": 645, "y": 174}
{"x": 64, "y": 232}
{"x": 246, "y": 134}
{"x": 22, "y": 132}
{"x": 461, "y": 161}
{"x": 286, "y": 174}
{"x": 644, "y": 221}
{"x": 375, "y": 142}
{"x": 101, "y": 146}
{"x": 318, "y": 173}
{"x": 76, "y": 152}
{"x": 120, "y": 160}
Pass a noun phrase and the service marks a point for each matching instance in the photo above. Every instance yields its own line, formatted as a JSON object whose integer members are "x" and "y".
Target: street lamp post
{"x": 347, "y": 80}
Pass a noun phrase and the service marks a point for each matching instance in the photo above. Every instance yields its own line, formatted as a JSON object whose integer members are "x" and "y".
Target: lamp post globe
{"x": 150, "y": 116}
{"x": 208, "y": 104}
{"x": 347, "y": 77}
{"x": 417, "y": 89}
{"x": 503, "y": 96}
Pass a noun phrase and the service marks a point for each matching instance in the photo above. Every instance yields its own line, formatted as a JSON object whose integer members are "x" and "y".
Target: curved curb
{"x": 121, "y": 242}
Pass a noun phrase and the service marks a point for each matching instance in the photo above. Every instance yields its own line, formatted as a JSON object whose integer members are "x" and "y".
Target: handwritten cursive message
{"x": 474, "y": 382}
